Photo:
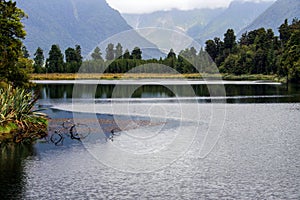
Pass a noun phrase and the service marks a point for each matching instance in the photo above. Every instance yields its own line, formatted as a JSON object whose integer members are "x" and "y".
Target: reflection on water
{"x": 12, "y": 172}
{"x": 248, "y": 93}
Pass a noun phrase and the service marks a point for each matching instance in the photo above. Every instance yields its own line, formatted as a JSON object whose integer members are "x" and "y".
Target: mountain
{"x": 237, "y": 16}
{"x": 202, "y": 24}
{"x": 275, "y": 15}
{"x": 69, "y": 22}
{"x": 174, "y": 19}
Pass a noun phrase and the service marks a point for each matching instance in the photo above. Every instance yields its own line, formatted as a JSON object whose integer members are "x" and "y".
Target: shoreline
{"x": 195, "y": 76}
{"x": 155, "y": 82}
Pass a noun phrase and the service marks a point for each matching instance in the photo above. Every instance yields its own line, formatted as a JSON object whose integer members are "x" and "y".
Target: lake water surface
{"x": 172, "y": 145}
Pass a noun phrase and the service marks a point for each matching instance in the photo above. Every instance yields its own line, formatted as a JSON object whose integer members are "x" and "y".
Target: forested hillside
{"x": 69, "y": 22}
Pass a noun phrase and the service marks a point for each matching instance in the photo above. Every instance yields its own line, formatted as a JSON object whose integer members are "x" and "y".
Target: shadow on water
{"x": 68, "y": 129}
{"x": 12, "y": 172}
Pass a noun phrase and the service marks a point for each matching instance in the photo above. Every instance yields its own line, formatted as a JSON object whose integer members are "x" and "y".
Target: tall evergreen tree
{"x": 78, "y": 54}
{"x": 229, "y": 40}
{"x": 285, "y": 32}
{"x": 39, "y": 60}
{"x": 73, "y": 59}
{"x": 55, "y": 61}
{"x": 171, "y": 59}
{"x": 136, "y": 53}
{"x": 119, "y": 51}
{"x": 171, "y": 54}
{"x": 97, "y": 55}
{"x": 110, "y": 52}
{"x": 211, "y": 49}
{"x": 70, "y": 54}
{"x": 126, "y": 54}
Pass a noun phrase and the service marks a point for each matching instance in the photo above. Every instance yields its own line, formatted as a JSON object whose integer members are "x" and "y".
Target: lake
{"x": 172, "y": 140}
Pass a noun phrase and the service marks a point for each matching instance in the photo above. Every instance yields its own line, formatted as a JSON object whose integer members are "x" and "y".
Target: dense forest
{"x": 259, "y": 52}
{"x": 256, "y": 52}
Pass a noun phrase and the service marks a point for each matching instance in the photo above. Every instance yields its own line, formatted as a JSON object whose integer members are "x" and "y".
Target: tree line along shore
{"x": 257, "y": 54}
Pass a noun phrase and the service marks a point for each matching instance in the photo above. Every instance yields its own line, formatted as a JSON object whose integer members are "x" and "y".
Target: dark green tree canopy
{"x": 39, "y": 60}
{"x": 229, "y": 39}
{"x": 14, "y": 66}
{"x": 211, "y": 48}
{"x": 136, "y": 53}
{"x": 97, "y": 55}
{"x": 73, "y": 59}
{"x": 70, "y": 54}
{"x": 259, "y": 52}
{"x": 171, "y": 54}
{"x": 55, "y": 62}
{"x": 119, "y": 51}
{"x": 110, "y": 52}
{"x": 126, "y": 54}
{"x": 285, "y": 32}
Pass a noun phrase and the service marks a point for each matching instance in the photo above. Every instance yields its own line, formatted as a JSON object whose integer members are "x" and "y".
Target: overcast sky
{"x": 146, "y": 6}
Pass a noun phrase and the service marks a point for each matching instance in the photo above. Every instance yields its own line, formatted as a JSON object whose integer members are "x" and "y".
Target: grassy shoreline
{"x": 108, "y": 76}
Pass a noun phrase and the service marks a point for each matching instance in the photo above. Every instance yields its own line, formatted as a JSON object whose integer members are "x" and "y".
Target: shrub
{"x": 19, "y": 123}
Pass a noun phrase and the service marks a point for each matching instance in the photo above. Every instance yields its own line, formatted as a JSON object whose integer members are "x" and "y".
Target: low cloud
{"x": 144, "y": 6}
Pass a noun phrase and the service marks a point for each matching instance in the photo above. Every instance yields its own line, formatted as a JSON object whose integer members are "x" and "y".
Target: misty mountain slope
{"x": 179, "y": 20}
{"x": 237, "y": 16}
{"x": 69, "y": 22}
{"x": 275, "y": 15}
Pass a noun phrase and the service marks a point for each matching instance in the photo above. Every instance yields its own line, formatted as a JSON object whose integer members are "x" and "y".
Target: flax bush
{"x": 19, "y": 122}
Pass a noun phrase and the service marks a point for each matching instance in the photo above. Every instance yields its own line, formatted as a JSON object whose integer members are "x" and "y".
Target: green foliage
{"x": 110, "y": 52}
{"x": 18, "y": 122}
{"x": 259, "y": 52}
{"x": 118, "y": 51}
{"x": 55, "y": 62}
{"x": 73, "y": 59}
{"x": 39, "y": 60}
{"x": 212, "y": 49}
{"x": 291, "y": 57}
{"x": 188, "y": 61}
{"x": 14, "y": 63}
{"x": 25, "y": 52}
{"x": 126, "y": 54}
{"x": 285, "y": 32}
{"x": 229, "y": 40}
{"x": 136, "y": 53}
{"x": 97, "y": 55}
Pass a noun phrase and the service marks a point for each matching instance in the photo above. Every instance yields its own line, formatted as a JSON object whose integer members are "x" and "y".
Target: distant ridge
{"x": 202, "y": 24}
{"x": 237, "y": 16}
{"x": 275, "y": 15}
{"x": 69, "y": 22}
{"x": 174, "y": 19}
